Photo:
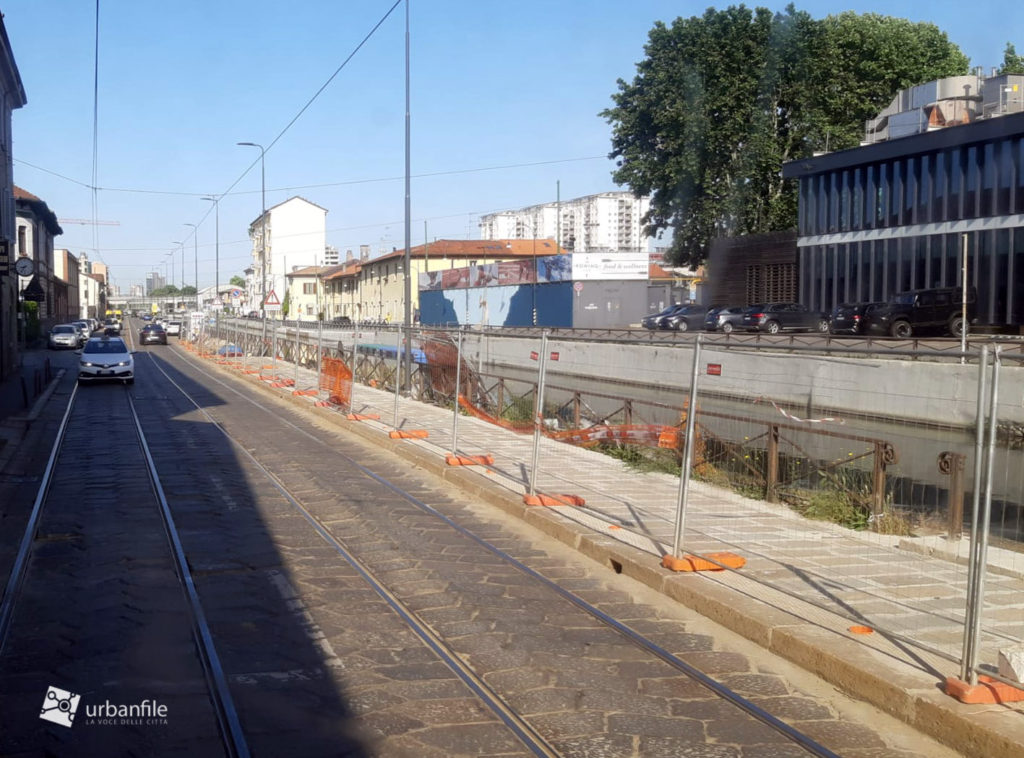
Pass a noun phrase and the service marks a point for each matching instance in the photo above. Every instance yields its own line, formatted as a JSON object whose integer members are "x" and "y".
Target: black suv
{"x": 939, "y": 309}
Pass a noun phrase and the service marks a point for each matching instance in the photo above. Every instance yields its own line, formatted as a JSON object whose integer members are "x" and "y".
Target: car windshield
{"x": 63, "y": 329}
{"x": 101, "y": 346}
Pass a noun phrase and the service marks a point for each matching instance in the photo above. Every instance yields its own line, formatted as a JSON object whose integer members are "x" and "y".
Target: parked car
{"x": 152, "y": 333}
{"x": 653, "y": 321}
{"x": 173, "y": 328}
{"x": 849, "y": 318}
{"x": 778, "y": 317}
{"x": 85, "y": 328}
{"x": 64, "y": 336}
{"x": 111, "y": 324}
{"x": 726, "y": 318}
{"x": 106, "y": 359}
{"x": 938, "y": 309}
{"x": 686, "y": 318}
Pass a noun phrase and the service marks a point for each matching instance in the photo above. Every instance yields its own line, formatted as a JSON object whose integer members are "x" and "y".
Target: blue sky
{"x": 505, "y": 103}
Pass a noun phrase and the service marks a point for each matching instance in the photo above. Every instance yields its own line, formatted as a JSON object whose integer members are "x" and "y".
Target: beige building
{"x": 36, "y": 228}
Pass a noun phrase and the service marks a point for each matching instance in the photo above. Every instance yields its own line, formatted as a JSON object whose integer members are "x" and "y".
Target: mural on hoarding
{"x": 554, "y": 268}
{"x": 430, "y": 280}
{"x": 483, "y": 275}
{"x": 499, "y": 306}
{"x": 621, "y": 266}
{"x": 455, "y": 278}
{"x": 516, "y": 272}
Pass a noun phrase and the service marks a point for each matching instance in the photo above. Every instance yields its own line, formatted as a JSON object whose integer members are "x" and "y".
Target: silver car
{"x": 106, "y": 359}
{"x": 65, "y": 336}
{"x": 85, "y": 328}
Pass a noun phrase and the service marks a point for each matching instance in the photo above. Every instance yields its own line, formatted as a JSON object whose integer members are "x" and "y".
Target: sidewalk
{"x": 20, "y": 393}
{"x": 806, "y": 585}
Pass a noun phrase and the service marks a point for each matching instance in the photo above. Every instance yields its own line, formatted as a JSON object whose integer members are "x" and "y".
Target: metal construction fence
{"x": 884, "y": 488}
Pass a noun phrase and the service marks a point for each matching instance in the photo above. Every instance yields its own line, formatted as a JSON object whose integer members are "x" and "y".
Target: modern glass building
{"x": 899, "y": 214}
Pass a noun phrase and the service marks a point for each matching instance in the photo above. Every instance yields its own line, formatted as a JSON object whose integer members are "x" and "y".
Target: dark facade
{"x": 757, "y": 268}
{"x": 893, "y": 216}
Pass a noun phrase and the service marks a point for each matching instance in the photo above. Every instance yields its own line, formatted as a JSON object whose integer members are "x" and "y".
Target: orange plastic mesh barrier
{"x": 336, "y": 380}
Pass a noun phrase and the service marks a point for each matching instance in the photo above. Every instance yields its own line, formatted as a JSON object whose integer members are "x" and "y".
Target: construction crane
{"x": 87, "y": 221}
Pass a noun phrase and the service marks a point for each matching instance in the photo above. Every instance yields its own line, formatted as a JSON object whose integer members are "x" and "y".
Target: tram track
{"x": 534, "y": 739}
{"x": 89, "y": 526}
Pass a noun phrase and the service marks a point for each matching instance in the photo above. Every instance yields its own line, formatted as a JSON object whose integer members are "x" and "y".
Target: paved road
{"x": 319, "y": 663}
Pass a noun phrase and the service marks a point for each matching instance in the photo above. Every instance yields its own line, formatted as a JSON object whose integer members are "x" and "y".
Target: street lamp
{"x": 195, "y": 240}
{"x": 216, "y": 275}
{"x": 263, "y": 224}
{"x": 182, "y": 244}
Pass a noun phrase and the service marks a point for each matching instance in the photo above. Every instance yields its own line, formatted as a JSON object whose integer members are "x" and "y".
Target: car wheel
{"x": 956, "y": 326}
{"x": 683, "y": 326}
{"x": 727, "y": 327}
{"x": 772, "y": 327}
{"x": 823, "y": 327}
{"x": 901, "y": 330}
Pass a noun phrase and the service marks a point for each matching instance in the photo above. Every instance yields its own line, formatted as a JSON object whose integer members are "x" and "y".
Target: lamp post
{"x": 263, "y": 224}
{"x": 182, "y": 244}
{"x": 195, "y": 241}
{"x": 216, "y": 271}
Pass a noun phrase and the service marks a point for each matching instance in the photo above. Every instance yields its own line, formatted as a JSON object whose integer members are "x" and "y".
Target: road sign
{"x": 578, "y": 286}
{"x": 714, "y": 369}
{"x": 272, "y": 303}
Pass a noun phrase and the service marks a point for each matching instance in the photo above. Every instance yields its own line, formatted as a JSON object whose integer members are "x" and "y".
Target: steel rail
{"x": 630, "y": 634}
{"x": 520, "y": 727}
{"x": 223, "y": 703}
{"x": 19, "y": 567}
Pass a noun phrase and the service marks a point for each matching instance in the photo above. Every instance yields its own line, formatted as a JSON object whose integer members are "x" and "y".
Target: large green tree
{"x": 722, "y": 100}
{"x": 237, "y": 281}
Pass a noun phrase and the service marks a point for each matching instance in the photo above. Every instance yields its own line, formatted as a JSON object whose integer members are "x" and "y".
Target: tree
{"x": 722, "y": 100}
{"x": 237, "y": 281}
{"x": 1012, "y": 63}
{"x": 189, "y": 290}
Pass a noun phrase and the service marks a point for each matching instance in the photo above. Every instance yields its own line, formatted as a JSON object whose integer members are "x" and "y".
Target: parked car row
{"x": 72, "y": 335}
{"x": 936, "y": 310}
{"x": 764, "y": 317}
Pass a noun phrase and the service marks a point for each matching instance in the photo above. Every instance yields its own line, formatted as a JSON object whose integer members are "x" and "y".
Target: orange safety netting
{"x": 336, "y": 381}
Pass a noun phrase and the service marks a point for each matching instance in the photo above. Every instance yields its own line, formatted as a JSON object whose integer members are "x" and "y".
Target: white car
{"x": 106, "y": 359}
{"x": 173, "y": 328}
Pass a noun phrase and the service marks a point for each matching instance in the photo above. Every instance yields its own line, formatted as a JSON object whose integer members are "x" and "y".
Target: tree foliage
{"x": 1012, "y": 63}
{"x": 170, "y": 289}
{"x": 237, "y": 281}
{"x": 722, "y": 100}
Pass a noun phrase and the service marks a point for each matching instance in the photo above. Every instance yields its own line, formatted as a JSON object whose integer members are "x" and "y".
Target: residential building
{"x": 12, "y": 96}
{"x": 605, "y": 222}
{"x": 65, "y": 266}
{"x": 36, "y": 227}
{"x": 306, "y": 292}
{"x": 902, "y": 213}
{"x": 154, "y": 281}
{"x": 92, "y": 297}
{"x": 287, "y": 237}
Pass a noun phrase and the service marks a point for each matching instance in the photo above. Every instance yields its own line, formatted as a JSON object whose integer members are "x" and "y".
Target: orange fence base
{"x": 693, "y": 563}
{"x": 987, "y": 690}
{"x": 307, "y": 393}
{"x": 553, "y": 500}
{"x": 411, "y": 434}
{"x": 469, "y": 460}
{"x": 363, "y": 417}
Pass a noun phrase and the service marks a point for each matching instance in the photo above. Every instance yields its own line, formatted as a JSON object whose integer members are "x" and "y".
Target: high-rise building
{"x": 606, "y": 222}
{"x": 154, "y": 281}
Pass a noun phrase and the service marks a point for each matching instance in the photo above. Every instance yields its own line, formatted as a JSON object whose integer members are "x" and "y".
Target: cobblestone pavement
{"x": 577, "y": 683}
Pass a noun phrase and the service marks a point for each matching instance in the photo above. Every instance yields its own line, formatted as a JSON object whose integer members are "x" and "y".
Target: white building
{"x": 296, "y": 237}
{"x": 607, "y": 222}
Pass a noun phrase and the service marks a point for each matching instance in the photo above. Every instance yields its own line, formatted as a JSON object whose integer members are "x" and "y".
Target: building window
{"x": 21, "y": 240}
{"x": 309, "y": 288}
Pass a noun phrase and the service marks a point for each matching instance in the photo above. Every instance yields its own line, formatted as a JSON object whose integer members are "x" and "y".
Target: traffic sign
{"x": 272, "y": 303}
